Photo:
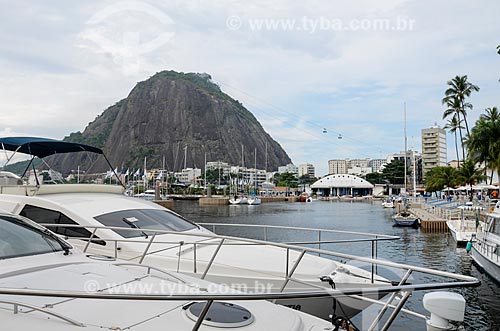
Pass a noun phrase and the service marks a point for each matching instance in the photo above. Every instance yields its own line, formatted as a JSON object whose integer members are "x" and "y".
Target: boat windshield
{"x": 146, "y": 219}
{"x": 18, "y": 238}
{"x": 495, "y": 225}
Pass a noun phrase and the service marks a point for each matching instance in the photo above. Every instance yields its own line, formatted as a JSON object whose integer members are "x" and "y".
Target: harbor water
{"x": 415, "y": 247}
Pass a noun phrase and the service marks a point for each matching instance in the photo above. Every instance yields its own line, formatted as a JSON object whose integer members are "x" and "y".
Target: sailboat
{"x": 240, "y": 199}
{"x": 254, "y": 199}
{"x": 404, "y": 217}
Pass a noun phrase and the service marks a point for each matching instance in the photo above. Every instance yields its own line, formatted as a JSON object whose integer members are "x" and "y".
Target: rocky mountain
{"x": 171, "y": 114}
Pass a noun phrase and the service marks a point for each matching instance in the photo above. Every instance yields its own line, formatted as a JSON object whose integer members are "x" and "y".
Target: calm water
{"x": 434, "y": 250}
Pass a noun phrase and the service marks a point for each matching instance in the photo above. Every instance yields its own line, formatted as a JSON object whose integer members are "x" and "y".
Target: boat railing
{"x": 491, "y": 251}
{"x": 400, "y": 289}
{"x": 211, "y": 239}
{"x": 319, "y": 234}
{"x": 16, "y": 305}
{"x": 210, "y": 298}
{"x": 371, "y": 238}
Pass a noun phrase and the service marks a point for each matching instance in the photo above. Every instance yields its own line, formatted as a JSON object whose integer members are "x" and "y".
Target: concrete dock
{"x": 429, "y": 221}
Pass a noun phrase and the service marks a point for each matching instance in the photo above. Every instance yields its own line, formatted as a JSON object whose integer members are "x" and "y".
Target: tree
{"x": 460, "y": 88}
{"x": 286, "y": 179}
{"x": 375, "y": 178}
{"x": 470, "y": 174}
{"x": 453, "y": 125}
{"x": 394, "y": 172}
{"x": 438, "y": 178}
{"x": 484, "y": 141}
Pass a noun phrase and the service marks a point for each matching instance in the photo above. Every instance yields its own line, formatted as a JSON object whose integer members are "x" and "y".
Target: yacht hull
{"x": 489, "y": 265}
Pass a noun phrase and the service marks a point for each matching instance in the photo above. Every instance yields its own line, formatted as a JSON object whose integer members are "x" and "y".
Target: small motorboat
{"x": 388, "y": 203}
{"x": 464, "y": 230}
{"x": 405, "y": 218}
{"x": 304, "y": 197}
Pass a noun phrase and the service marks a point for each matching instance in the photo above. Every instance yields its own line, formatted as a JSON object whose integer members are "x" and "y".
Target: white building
{"x": 359, "y": 171}
{"x": 288, "y": 168}
{"x": 377, "y": 164}
{"x": 306, "y": 169}
{"x": 342, "y": 184}
{"x": 433, "y": 148}
{"x": 188, "y": 175}
{"x": 338, "y": 166}
{"x": 216, "y": 165}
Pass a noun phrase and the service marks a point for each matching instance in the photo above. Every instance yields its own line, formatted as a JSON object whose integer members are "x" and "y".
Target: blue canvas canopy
{"x": 42, "y": 147}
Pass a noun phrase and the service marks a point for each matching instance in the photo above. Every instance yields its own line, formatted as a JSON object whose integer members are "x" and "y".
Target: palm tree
{"x": 453, "y": 125}
{"x": 470, "y": 174}
{"x": 438, "y": 178}
{"x": 460, "y": 88}
{"x": 492, "y": 114}
{"x": 484, "y": 141}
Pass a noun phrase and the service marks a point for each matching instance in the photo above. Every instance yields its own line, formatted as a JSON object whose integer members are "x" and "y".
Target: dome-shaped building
{"x": 342, "y": 184}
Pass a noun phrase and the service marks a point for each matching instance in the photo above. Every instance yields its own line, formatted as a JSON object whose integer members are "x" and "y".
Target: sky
{"x": 311, "y": 72}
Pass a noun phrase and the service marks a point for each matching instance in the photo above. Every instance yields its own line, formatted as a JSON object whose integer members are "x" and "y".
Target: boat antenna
{"x": 119, "y": 179}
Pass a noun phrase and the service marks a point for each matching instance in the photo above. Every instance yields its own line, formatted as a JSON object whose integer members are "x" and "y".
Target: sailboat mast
{"x": 266, "y": 157}
{"x": 255, "y": 176}
{"x": 406, "y": 147}
{"x": 414, "y": 174}
{"x": 185, "y": 156}
{"x": 145, "y": 174}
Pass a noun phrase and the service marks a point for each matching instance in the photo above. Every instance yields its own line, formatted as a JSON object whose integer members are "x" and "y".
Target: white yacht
{"x": 465, "y": 228}
{"x": 485, "y": 250}
{"x": 47, "y": 285}
{"x": 99, "y": 208}
{"x": 147, "y": 195}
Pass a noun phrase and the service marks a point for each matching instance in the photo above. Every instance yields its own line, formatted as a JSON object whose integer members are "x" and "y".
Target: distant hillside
{"x": 166, "y": 113}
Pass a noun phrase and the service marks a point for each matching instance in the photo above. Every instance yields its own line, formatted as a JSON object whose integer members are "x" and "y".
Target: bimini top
{"x": 42, "y": 147}
{"x": 341, "y": 180}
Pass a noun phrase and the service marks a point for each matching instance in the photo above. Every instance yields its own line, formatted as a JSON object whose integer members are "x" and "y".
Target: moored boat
{"x": 304, "y": 197}
{"x": 405, "y": 218}
{"x": 47, "y": 285}
{"x": 254, "y": 200}
{"x": 464, "y": 230}
{"x": 486, "y": 248}
{"x": 238, "y": 200}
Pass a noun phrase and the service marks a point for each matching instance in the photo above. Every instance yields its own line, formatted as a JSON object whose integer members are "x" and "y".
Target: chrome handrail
{"x": 280, "y": 227}
{"x": 281, "y": 245}
{"x": 17, "y": 304}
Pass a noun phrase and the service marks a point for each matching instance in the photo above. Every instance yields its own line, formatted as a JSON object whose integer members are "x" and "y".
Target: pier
{"x": 429, "y": 221}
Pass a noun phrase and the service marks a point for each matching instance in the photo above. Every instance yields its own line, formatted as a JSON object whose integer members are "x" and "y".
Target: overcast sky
{"x": 299, "y": 67}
